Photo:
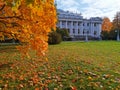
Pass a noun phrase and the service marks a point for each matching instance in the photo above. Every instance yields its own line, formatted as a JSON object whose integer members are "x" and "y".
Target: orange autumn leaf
{"x": 73, "y": 88}
{"x": 37, "y": 88}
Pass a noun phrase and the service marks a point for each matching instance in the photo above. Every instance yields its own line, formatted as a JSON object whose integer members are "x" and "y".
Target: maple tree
{"x": 107, "y": 24}
{"x": 28, "y": 21}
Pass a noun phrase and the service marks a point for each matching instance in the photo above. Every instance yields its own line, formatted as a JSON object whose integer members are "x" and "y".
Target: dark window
{"x": 73, "y": 30}
{"x": 68, "y": 30}
{"x": 87, "y": 32}
{"x": 94, "y": 24}
{"x": 68, "y": 23}
{"x": 87, "y": 24}
{"x": 78, "y": 31}
{"x": 62, "y": 23}
{"x": 83, "y": 32}
{"x": 95, "y": 32}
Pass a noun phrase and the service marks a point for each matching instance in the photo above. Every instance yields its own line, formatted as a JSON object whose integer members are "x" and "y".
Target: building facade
{"x": 79, "y": 27}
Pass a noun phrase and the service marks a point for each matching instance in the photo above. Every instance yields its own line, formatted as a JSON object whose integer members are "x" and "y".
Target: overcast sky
{"x": 91, "y": 8}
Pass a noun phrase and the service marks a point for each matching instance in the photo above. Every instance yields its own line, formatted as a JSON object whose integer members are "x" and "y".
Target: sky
{"x": 91, "y": 8}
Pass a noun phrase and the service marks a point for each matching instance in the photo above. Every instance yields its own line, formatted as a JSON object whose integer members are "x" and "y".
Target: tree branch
{"x": 9, "y": 17}
{"x": 2, "y": 7}
{"x": 12, "y": 24}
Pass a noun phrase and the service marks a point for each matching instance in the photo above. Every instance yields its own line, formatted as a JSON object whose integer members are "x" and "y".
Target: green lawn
{"x": 68, "y": 66}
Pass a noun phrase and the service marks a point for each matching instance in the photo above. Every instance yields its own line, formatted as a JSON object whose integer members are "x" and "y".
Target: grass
{"x": 68, "y": 66}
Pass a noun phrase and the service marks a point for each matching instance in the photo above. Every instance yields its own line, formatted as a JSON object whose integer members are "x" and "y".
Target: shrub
{"x": 54, "y": 38}
{"x": 105, "y": 35}
{"x": 64, "y": 33}
{"x": 109, "y": 35}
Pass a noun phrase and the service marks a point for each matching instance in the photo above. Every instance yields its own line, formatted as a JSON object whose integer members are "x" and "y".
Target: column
{"x": 99, "y": 26}
{"x": 60, "y": 24}
{"x": 98, "y": 30}
{"x": 76, "y": 32}
{"x": 66, "y": 25}
{"x": 81, "y": 29}
{"x": 92, "y": 29}
{"x": 71, "y": 29}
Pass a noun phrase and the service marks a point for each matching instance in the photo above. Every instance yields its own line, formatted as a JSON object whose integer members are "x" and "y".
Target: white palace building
{"x": 77, "y": 26}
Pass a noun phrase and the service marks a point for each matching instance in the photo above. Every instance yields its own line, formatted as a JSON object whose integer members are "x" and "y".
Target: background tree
{"x": 116, "y": 24}
{"x": 106, "y": 28}
{"x": 116, "y": 21}
{"x": 28, "y": 21}
{"x": 107, "y": 24}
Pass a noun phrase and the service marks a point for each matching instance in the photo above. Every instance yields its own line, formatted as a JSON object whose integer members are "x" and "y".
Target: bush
{"x": 105, "y": 35}
{"x": 54, "y": 38}
{"x": 64, "y": 33}
{"x": 109, "y": 35}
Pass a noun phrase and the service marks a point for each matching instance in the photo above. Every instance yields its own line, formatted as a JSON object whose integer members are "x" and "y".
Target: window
{"x": 73, "y": 30}
{"x": 87, "y": 24}
{"x": 94, "y": 24}
{"x": 78, "y": 31}
{"x": 83, "y": 32}
{"x": 68, "y": 30}
{"x": 95, "y": 32}
{"x": 87, "y": 32}
{"x": 83, "y": 24}
{"x": 68, "y": 23}
{"x": 62, "y": 23}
